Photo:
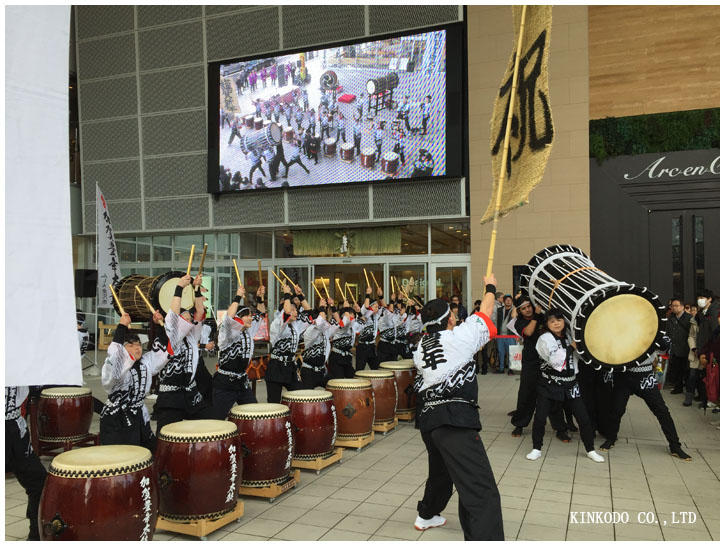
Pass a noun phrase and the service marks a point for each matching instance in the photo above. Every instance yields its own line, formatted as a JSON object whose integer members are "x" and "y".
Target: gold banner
{"x": 532, "y": 127}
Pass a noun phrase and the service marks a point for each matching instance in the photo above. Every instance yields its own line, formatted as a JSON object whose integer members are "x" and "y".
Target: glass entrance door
{"x": 452, "y": 280}
{"x": 349, "y": 280}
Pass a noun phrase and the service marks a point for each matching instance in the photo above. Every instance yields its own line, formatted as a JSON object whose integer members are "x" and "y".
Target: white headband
{"x": 439, "y": 319}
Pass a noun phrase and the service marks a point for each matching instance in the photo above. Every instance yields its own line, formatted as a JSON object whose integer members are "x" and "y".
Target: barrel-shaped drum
{"x": 198, "y": 467}
{"x": 367, "y": 157}
{"x": 266, "y": 434}
{"x": 288, "y": 134}
{"x": 64, "y": 413}
{"x": 249, "y": 121}
{"x": 99, "y": 493}
{"x": 386, "y": 394}
{"x": 389, "y": 163}
{"x": 314, "y": 422}
{"x": 405, "y": 373}
{"x": 258, "y": 123}
{"x": 330, "y": 146}
{"x": 383, "y": 83}
{"x": 355, "y": 407}
{"x": 347, "y": 151}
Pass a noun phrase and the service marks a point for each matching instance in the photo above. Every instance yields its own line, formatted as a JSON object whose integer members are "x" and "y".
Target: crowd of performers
{"x": 442, "y": 346}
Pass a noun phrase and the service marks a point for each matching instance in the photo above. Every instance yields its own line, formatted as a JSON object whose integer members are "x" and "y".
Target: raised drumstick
{"x": 191, "y": 258}
{"x": 203, "y": 257}
{"x": 115, "y": 297}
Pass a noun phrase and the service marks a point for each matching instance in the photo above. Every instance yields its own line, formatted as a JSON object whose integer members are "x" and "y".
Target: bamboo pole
{"x": 191, "y": 258}
{"x": 203, "y": 257}
{"x": 504, "y": 155}
{"x": 259, "y": 270}
{"x": 236, "y": 270}
{"x": 115, "y": 297}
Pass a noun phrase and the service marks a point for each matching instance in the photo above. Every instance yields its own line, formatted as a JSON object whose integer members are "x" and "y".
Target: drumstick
{"x": 236, "y": 270}
{"x": 325, "y": 287}
{"x": 259, "y": 269}
{"x": 191, "y": 257}
{"x": 283, "y": 283}
{"x": 287, "y": 277}
{"x": 203, "y": 257}
{"x": 349, "y": 290}
{"x": 367, "y": 281}
{"x": 317, "y": 291}
{"x": 376, "y": 281}
{"x": 392, "y": 284}
{"x": 337, "y": 283}
{"x": 115, "y": 297}
{"x": 147, "y": 302}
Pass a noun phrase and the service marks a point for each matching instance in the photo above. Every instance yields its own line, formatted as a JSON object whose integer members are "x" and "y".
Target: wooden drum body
{"x": 355, "y": 407}
{"x": 249, "y": 122}
{"x": 99, "y": 493}
{"x": 330, "y": 146}
{"x": 405, "y": 373}
{"x": 389, "y": 163}
{"x": 266, "y": 434}
{"x": 289, "y": 133}
{"x": 198, "y": 467}
{"x": 64, "y": 414}
{"x": 386, "y": 394}
{"x": 314, "y": 422}
{"x": 347, "y": 151}
{"x": 258, "y": 123}
{"x": 367, "y": 157}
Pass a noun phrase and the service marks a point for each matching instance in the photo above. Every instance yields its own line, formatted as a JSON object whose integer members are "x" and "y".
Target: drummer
{"x": 413, "y": 330}
{"x": 342, "y": 341}
{"x": 179, "y": 396}
{"x": 317, "y": 345}
{"x": 284, "y": 337}
{"x": 391, "y": 320}
{"x": 236, "y": 349}
{"x": 370, "y": 314}
{"x": 126, "y": 377}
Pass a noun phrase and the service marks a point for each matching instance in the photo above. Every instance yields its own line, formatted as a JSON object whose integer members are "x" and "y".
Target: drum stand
{"x": 200, "y": 527}
{"x": 320, "y": 462}
{"x": 357, "y": 443}
{"x": 408, "y": 415}
{"x": 273, "y": 491}
{"x": 385, "y": 427}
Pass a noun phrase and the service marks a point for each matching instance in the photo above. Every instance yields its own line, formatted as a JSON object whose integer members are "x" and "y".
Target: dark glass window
{"x": 414, "y": 239}
{"x": 677, "y": 280}
{"x": 450, "y": 238}
{"x": 699, "y": 247}
{"x": 162, "y": 249}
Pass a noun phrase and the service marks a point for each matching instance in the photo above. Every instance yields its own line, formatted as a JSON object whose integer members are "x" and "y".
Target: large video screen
{"x": 359, "y": 112}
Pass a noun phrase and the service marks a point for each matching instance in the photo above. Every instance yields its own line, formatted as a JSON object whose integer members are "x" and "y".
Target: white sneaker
{"x": 594, "y": 456}
{"x": 535, "y": 454}
{"x": 423, "y": 524}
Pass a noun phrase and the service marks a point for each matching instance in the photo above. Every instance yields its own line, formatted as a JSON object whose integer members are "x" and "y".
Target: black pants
{"x": 694, "y": 382}
{"x": 586, "y": 378}
{"x": 679, "y": 371}
{"x": 425, "y": 124}
{"x": 166, "y": 416}
{"x": 366, "y": 355}
{"x": 116, "y": 431}
{"x": 644, "y": 386}
{"x": 357, "y": 140}
{"x": 297, "y": 160}
{"x": 457, "y": 457}
{"x": 340, "y": 366}
{"x": 30, "y": 472}
{"x": 379, "y": 146}
{"x": 312, "y": 378}
{"x": 526, "y": 403}
{"x": 387, "y": 351}
{"x": 224, "y": 399}
{"x": 274, "y": 390}
{"x": 546, "y": 407}
{"x": 235, "y": 133}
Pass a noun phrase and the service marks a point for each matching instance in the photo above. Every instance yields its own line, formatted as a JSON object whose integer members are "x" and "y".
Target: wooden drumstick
{"x": 324, "y": 285}
{"x": 115, "y": 297}
{"x": 317, "y": 291}
{"x": 147, "y": 302}
{"x": 349, "y": 290}
{"x": 203, "y": 257}
{"x": 191, "y": 258}
{"x": 287, "y": 277}
{"x": 236, "y": 270}
{"x": 367, "y": 281}
{"x": 375, "y": 280}
{"x": 337, "y": 283}
{"x": 259, "y": 269}
{"x": 283, "y": 283}
{"x": 392, "y": 284}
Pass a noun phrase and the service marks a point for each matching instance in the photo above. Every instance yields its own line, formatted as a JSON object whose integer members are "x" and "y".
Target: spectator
{"x": 503, "y": 316}
{"x": 462, "y": 311}
{"x": 678, "y": 329}
{"x": 708, "y": 328}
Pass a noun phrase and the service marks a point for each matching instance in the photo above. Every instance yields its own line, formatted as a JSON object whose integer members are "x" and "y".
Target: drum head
{"x": 101, "y": 461}
{"x": 371, "y": 87}
{"x": 308, "y": 395}
{"x": 275, "y": 133}
{"x": 163, "y": 291}
{"x": 258, "y": 411}
{"x": 347, "y": 146}
{"x": 375, "y": 374}
{"x": 347, "y": 384}
{"x": 368, "y": 151}
{"x": 198, "y": 430}
{"x": 65, "y": 392}
{"x": 406, "y": 364}
{"x": 390, "y": 156}
{"x": 330, "y": 141}
{"x": 621, "y": 329}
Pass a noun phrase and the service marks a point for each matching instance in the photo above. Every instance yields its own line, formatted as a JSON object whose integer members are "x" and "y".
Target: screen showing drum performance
{"x": 369, "y": 111}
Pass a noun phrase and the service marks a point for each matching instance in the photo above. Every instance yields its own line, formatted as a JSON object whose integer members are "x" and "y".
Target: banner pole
{"x": 95, "y": 343}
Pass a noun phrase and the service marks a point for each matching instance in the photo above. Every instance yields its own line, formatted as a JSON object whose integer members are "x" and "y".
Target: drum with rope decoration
{"x": 615, "y": 324}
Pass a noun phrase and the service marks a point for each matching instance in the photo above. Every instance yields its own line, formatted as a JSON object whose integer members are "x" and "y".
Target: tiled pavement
{"x": 372, "y": 495}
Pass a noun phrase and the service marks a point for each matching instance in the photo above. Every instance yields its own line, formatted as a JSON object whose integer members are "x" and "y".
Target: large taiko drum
{"x": 383, "y": 83}
{"x": 100, "y": 493}
{"x": 355, "y": 406}
{"x": 198, "y": 467}
{"x": 389, "y": 163}
{"x": 64, "y": 414}
{"x": 266, "y": 434}
{"x": 314, "y": 422}
{"x": 367, "y": 157}
{"x": 258, "y": 124}
{"x": 159, "y": 290}
{"x": 347, "y": 151}
{"x": 249, "y": 121}
{"x": 386, "y": 394}
{"x": 330, "y": 148}
{"x": 405, "y": 373}
{"x": 289, "y": 133}
{"x": 261, "y": 140}
{"x": 614, "y": 323}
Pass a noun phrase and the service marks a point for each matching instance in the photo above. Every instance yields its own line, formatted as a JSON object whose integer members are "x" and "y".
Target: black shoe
{"x": 518, "y": 431}
{"x": 676, "y": 390}
{"x": 563, "y": 436}
{"x": 571, "y": 427}
{"x": 688, "y": 399}
{"x": 607, "y": 445}
{"x": 678, "y": 453}
{"x": 510, "y": 372}
{"x": 702, "y": 405}
{"x": 497, "y": 371}
{"x": 484, "y": 370}
{"x": 698, "y": 398}
{"x": 511, "y": 413}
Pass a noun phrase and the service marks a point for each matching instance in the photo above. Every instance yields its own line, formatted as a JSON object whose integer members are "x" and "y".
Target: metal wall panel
{"x": 304, "y": 25}
{"x": 109, "y": 98}
{"x": 172, "y": 90}
{"x": 174, "y": 176}
{"x": 387, "y": 19}
{"x": 219, "y": 9}
{"x": 422, "y": 198}
{"x": 100, "y": 20}
{"x": 249, "y": 209}
{"x": 177, "y": 213}
{"x": 171, "y": 46}
{"x": 110, "y": 139}
{"x": 107, "y": 57}
{"x": 242, "y": 34}
{"x": 341, "y": 203}
{"x": 117, "y": 180}
{"x": 125, "y": 216}
{"x": 174, "y": 133}
{"x": 159, "y": 15}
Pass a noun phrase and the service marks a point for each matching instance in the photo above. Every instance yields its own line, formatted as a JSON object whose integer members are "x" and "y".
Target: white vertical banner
{"x": 40, "y": 330}
{"x": 107, "y": 258}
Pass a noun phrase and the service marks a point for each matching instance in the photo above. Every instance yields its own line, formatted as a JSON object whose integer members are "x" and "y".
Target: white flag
{"x": 108, "y": 269}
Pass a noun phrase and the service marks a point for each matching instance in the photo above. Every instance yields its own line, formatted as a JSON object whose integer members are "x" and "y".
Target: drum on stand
{"x": 614, "y": 323}
{"x": 314, "y": 422}
{"x": 289, "y": 134}
{"x": 383, "y": 83}
{"x": 347, "y": 151}
{"x": 267, "y": 123}
{"x": 405, "y": 373}
{"x": 355, "y": 406}
{"x": 266, "y": 433}
{"x": 330, "y": 147}
{"x": 389, "y": 163}
{"x": 258, "y": 141}
{"x": 64, "y": 414}
{"x": 258, "y": 124}
{"x": 249, "y": 121}
{"x": 367, "y": 157}
{"x": 198, "y": 467}
{"x": 158, "y": 290}
{"x": 100, "y": 493}
{"x": 385, "y": 389}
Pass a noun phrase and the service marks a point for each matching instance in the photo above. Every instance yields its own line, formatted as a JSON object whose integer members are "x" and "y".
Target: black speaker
{"x": 281, "y": 76}
{"x": 86, "y": 281}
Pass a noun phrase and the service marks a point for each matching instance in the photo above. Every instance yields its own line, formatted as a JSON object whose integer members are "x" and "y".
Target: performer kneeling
{"x": 236, "y": 349}
{"x": 447, "y": 416}
{"x": 557, "y": 386}
{"x": 126, "y": 377}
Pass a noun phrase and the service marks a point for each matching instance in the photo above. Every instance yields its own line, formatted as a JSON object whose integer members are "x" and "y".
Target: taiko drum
{"x": 266, "y": 434}
{"x": 64, "y": 413}
{"x": 386, "y": 394}
{"x": 355, "y": 407}
{"x": 99, "y": 493}
{"x": 198, "y": 467}
{"x": 314, "y": 422}
{"x": 405, "y": 373}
